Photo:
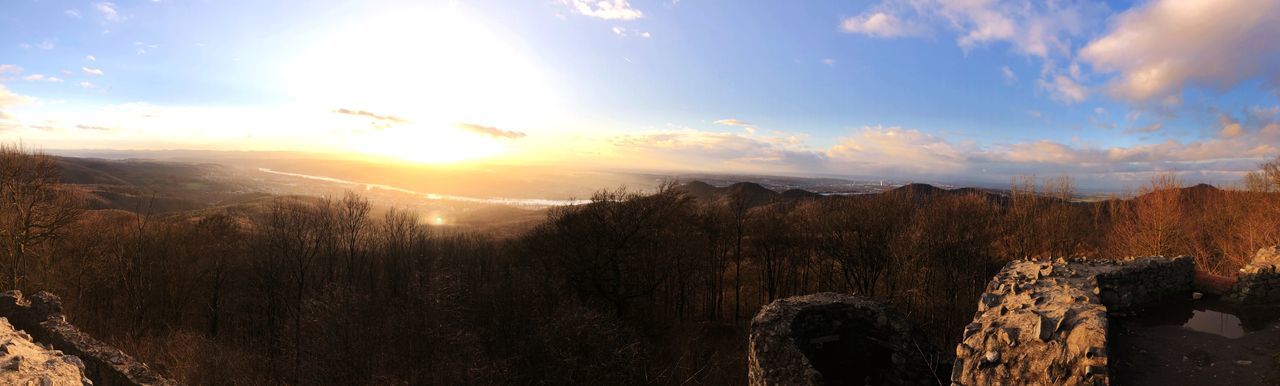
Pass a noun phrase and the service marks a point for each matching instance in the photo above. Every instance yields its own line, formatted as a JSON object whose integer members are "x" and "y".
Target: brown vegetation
{"x": 630, "y": 288}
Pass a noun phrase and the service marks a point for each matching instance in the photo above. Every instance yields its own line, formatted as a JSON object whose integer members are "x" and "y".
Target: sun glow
{"x": 434, "y": 67}
{"x": 428, "y": 144}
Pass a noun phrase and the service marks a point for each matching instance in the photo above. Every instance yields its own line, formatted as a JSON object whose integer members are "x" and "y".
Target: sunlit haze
{"x": 640, "y": 192}
{"x": 1108, "y": 92}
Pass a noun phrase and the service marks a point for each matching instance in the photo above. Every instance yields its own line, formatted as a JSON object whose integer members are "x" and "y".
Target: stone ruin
{"x": 831, "y": 338}
{"x": 41, "y": 316}
{"x": 1037, "y": 323}
{"x": 1259, "y": 281}
{"x": 1046, "y": 322}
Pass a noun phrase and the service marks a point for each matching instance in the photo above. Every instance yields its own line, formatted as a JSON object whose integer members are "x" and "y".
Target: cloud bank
{"x": 904, "y": 153}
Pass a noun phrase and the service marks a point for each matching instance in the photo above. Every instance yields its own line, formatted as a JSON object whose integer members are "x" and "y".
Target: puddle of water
{"x": 1209, "y": 316}
{"x": 1216, "y": 323}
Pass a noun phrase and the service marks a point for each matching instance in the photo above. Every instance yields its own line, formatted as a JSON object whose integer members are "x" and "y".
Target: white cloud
{"x": 879, "y": 149}
{"x": 909, "y": 153}
{"x": 45, "y": 45}
{"x": 92, "y": 71}
{"x": 9, "y": 98}
{"x": 95, "y": 127}
{"x": 108, "y": 11}
{"x": 605, "y": 9}
{"x": 1231, "y": 128}
{"x": 9, "y": 68}
{"x": 91, "y": 58}
{"x": 1035, "y": 28}
{"x": 881, "y": 24}
{"x": 704, "y": 150}
{"x": 73, "y": 13}
{"x": 86, "y": 85}
{"x": 142, "y": 47}
{"x": 33, "y": 77}
{"x": 490, "y": 131}
{"x": 1065, "y": 89}
{"x": 623, "y": 32}
{"x": 1009, "y": 76}
{"x": 750, "y": 128}
{"x": 733, "y": 122}
{"x": 829, "y": 61}
{"x": 1159, "y": 48}
{"x": 1154, "y": 127}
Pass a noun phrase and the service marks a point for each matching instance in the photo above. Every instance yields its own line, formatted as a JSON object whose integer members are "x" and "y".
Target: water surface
{"x": 1209, "y": 315}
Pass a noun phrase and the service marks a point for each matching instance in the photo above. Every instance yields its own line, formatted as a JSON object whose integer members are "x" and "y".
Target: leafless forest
{"x": 633, "y": 288}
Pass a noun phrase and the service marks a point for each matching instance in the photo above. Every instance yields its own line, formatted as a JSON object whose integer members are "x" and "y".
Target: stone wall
{"x": 1259, "y": 281}
{"x": 831, "y": 338}
{"x": 42, "y": 317}
{"x": 1046, "y": 322}
{"x": 1140, "y": 282}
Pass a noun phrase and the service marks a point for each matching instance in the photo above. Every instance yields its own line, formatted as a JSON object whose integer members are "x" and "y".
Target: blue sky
{"x": 958, "y": 90}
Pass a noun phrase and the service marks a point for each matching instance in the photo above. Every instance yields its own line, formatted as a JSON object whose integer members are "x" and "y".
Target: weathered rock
{"x": 26, "y": 363}
{"x": 1064, "y": 306}
{"x": 831, "y": 338}
{"x": 105, "y": 365}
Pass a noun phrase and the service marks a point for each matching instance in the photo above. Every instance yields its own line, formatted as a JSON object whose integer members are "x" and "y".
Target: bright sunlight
{"x": 431, "y": 67}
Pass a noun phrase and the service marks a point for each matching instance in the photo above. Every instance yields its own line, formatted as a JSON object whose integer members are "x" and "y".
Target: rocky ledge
{"x": 1046, "y": 322}
{"x": 1259, "y": 281}
{"x": 41, "y": 316}
{"x": 23, "y": 362}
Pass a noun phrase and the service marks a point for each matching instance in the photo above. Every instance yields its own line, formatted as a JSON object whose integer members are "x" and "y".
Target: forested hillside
{"x": 634, "y": 287}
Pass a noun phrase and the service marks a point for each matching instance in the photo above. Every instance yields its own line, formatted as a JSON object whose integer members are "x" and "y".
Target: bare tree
{"x": 609, "y": 249}
{"x": 739, "y": 204}
{"x": 34, "y": 209}
{"x": 293, "y": 236}
{"x": 352, "y": 223}
{"x": 774, "y": 243}
{"x": 853, "y": 234}
{"x": 1151, "y": 225}
{"x": 710, "y": 225}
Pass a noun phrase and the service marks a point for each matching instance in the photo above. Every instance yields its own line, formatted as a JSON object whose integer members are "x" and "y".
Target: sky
{"x": 1108, "y": 92}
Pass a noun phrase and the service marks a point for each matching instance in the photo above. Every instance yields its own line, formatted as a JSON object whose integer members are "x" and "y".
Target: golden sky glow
{"x": 430, "y": 68}
{"x": 942, "y": 89}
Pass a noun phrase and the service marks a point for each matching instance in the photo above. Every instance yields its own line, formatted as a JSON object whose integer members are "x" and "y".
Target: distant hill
{"x": 799, "y": 194}
{"x": 1200, "y": 190}
{"x": 146, "y": 173}
{"x": 701, "y": 190}
{"x": 756, "y": 193}
{"x": 917, "y": 192}
{"x": 759, "y": 195}
{"x": 146, "y": 186}
{"x": 1195, "y": 192}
